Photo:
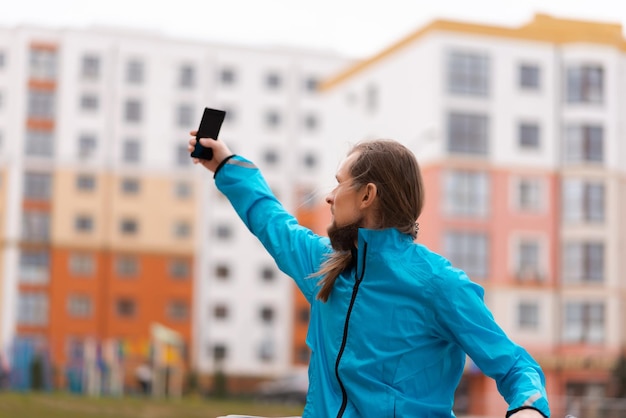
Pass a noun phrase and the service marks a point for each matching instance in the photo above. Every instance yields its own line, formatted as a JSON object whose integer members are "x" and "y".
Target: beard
{"x": 344, "y": 238}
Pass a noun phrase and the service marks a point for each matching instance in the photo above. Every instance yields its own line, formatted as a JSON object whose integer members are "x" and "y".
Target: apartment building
{"x": 520, "y": 136}
{"x": 107, "y": 228}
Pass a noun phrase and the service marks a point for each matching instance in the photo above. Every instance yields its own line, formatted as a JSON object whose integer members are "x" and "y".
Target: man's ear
{"x": 370, "y": 193}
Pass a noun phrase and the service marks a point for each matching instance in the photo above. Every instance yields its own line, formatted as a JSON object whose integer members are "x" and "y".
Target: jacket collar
{"x": 383, "y": 238}
{"x": 376, "y": 239}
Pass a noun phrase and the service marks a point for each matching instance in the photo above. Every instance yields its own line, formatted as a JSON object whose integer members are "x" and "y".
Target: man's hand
{"x": 220, "y": 151}
{"x": 527, "y": 413}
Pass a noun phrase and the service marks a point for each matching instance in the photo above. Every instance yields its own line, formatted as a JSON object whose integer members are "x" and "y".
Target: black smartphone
{"x": 209, "y": 128}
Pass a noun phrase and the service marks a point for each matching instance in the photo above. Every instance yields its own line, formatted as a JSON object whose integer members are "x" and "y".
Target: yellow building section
{"x": 124, "y": 212}
{"x": 543, "y": 28}
{"x": 3, "y": 220}
{"x": 4, "y": 188}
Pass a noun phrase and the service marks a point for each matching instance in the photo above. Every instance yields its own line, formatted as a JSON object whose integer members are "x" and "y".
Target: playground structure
{"x": 100, "y": 367}
{"x": 168, "y": 370}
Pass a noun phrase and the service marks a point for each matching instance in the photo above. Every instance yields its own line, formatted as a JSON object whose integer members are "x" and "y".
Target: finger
{"x": 193, "y": 133}
{"x": 206, "y": 141}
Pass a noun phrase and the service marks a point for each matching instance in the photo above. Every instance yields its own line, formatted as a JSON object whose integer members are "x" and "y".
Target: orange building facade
{"x": 103, "y": 255}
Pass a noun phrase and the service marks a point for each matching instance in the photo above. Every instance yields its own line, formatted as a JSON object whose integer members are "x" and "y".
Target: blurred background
{"x": 123, "y": 272}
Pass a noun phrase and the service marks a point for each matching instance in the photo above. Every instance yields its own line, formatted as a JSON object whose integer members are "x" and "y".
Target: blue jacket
{"x": 392, "y": 339}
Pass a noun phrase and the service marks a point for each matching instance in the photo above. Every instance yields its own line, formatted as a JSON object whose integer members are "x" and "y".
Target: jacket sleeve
{"x": 297, "y": 251}
{"x": 463, "y": 317}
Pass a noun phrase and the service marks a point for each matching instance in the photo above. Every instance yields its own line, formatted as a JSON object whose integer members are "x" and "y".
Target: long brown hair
{"x": 394, "y": 170}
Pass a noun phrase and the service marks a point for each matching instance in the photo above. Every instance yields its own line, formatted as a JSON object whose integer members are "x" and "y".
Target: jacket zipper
{"x": 355, "y": 290}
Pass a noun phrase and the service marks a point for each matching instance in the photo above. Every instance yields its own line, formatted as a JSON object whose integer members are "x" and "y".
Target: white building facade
{"x": 110, "y": 104}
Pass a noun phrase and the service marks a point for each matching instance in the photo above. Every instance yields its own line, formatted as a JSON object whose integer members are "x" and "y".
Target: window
{"x": 132, "y": 110}
{"x": 220, "y": 352}
{"x": 466, "y": 193}
{"x": 183, "y": 159}
{"x": 303, "y": 356}
{"x": 222, "y": 271}
{"x": 529, "y": 194}
{"x": 273, "y": 81}
{"x": 32, "y": 308}
{"x": 79, "y": 306}
{"x": 311, "y": 83}
{"x": 583, "y": 201}
{"x": 583, "y": 262}
{"x": 184, "y": 115}
{"x": 35, "y": 226}
{"x": 311, "y": 122}
{"x": 127, "y": 266}
{"x": 39, "y": 144}
{"x": 37, "y": 186}
{"x": 85, "y": 182}
{"x": 469, "y": 252}
{"x": 529, "y": 76}
{"x": 181, "y": 229}
{"x": 583, "y": 322}
{"x": 129, "y": 227}
{"x": 528, "y": 316}
{"x": 179, "y": 269}
{"x": 585, "y": 84}
{"x": 528, "y": 135}
{"x": 267, "y": 314}
{"x": 125, "y": 307}
{"x": 220, "y": 311}
{"x": 271, "y": 157}
{"x": 468, "y": 73}
{"x": 528, "y": 261}
{"x": 89, "y": 102}
{"x": 187, "y": 76}
{"x": 134, "y": 71}
{"x": 83, "y": 223}
{"x": 268, "y": 274}
{"x": 40, "y": 104}
{"x": 183, "y": 190}
{"x": 130, "y": 186}
{"x": 272, "y": 119}
{"x": 43, "y": 63}
{"x": 177, "y": 310}
{"x": 86, "y": 145}
{"x": 81, "y": 264}
{"x": 90, "y": 67}
{"x": 223, "y": 232}
{"x": 304, "y": 315}
{"x": 34, "y": 266}
{"x": 584, "y": 143}
{"x": 131, "y": 153}
{"x": 309, "y": 160}
{"x": 582, "y": 396}
{"x": 467, "y": 133}
{"x": 228, "y": 76}
{"x": 371, "y": 98}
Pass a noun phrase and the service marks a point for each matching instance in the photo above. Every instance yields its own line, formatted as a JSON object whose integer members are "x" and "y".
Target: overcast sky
{"x": 357, "y": 28}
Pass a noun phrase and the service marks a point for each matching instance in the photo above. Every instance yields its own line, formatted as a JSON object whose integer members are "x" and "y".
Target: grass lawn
{"x": 63, "y": 405}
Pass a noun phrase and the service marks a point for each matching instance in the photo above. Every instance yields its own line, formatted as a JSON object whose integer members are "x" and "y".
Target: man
{"x": 391, "y": 321}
